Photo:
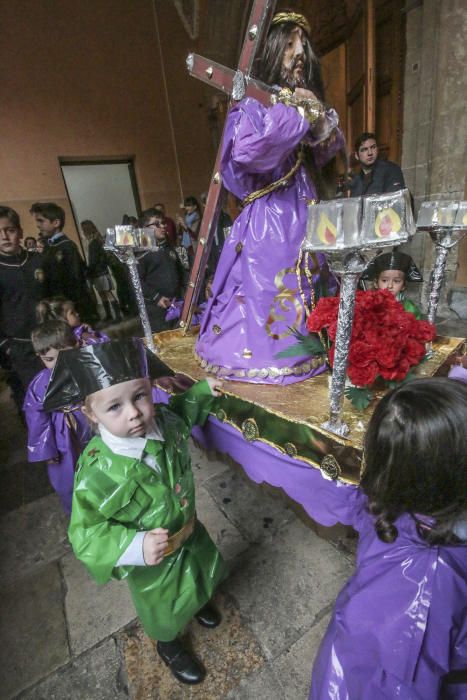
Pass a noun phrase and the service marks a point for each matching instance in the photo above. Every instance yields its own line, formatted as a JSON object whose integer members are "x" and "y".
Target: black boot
{"x": 108, "y": 312}
{"x": 183, "y": 666}
{"x": 208, "y": 616}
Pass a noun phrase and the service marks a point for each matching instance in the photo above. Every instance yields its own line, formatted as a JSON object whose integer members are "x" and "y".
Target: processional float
{"x": 282, "y": 421}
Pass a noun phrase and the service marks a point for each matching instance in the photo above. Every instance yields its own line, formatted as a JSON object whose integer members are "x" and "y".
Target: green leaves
{"x": 360, "y": 397}
{"x": 305, "y": 345}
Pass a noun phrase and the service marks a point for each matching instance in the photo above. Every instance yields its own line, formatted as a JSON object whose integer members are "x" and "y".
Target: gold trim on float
{"x": 331, "y": 467}
{"x": 304, "y": 368}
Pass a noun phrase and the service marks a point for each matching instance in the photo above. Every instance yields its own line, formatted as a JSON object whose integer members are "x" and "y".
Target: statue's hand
{"x": 307, "y": 94}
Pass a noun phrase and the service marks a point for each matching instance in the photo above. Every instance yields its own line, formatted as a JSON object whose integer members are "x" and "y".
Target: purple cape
{"x": 399, "y": 624}
{"x": 51, "y": 437}
{"x": 256, "y": 299}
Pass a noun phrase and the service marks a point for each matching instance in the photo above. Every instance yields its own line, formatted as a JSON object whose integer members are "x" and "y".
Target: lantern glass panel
{"x": 437, "y": 214}
{"x": 387, "y": 219}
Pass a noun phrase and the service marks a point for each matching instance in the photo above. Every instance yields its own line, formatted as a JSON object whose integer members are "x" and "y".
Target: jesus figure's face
{"x": 293, "y": 61}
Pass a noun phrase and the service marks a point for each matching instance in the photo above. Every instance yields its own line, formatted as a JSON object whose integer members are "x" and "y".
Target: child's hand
{"x": 215, "y": 385}
{"x": 154, "y": 546}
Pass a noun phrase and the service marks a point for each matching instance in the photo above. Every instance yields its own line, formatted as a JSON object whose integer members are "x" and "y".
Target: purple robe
{"x": 399, "y": 624}
{"x": 94, "y": 337}
{"x": 256, "y": 300}
{"x": 50, "y": 436}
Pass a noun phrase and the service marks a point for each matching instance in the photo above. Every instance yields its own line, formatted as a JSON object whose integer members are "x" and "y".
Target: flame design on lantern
{"x": 125, "y": 239}
{"x": 387, "y": 223}
{"x": 327, "y": 232}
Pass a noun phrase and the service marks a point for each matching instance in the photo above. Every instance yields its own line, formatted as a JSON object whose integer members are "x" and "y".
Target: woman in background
{"x": 99, "y": 270}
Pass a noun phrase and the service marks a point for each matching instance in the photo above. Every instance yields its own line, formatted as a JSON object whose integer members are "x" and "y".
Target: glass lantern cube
{"x": 433, "y": 215}
{"x": 461, "y": 216}
{"x": 359, "y": 222}
{"x": 130, "y": 237}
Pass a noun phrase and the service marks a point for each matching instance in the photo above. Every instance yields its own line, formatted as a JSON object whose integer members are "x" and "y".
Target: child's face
{"x": 49, "y": 358}
{"x": 10, "y": 236}
{"x": 125, "y": 410}
{"x": 72, "y": 317}
{"x": 392, "y": 280}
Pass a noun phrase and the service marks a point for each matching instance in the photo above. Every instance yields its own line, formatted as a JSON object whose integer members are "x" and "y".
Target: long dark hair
{"x": 269, "y": 70}
{"x": 270, "y": 64}
{"x": 416, "y": 458}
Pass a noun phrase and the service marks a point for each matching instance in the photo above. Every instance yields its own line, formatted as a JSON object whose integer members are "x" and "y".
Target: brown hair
{"x": 49, "y": 210}
{"x": 53, "y": 309}
{"x": 11, "y": 215}
{"x": 52, "y": 334}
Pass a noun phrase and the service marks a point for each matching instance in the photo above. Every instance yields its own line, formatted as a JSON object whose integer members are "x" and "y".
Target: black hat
{"x": 86, "y": 370}
{"x": 392, "y": 261}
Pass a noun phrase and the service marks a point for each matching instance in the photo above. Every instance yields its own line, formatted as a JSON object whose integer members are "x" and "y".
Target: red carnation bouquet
{"x": 386, "y": 340}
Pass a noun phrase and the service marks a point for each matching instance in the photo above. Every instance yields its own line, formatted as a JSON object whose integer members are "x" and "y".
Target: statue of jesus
{"x": 271, "y": 161}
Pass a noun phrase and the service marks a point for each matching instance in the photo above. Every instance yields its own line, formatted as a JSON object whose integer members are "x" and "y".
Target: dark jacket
{"x": 64, "y": 270}
{"x": 20, "y": 288}
{"x": 385, "y": 176}
{"x": 161, "y": 273}
{"x": 97, "y": 259}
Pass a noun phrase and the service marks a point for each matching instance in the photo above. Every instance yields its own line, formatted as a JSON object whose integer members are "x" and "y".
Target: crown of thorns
{"x": 293, "y": 18}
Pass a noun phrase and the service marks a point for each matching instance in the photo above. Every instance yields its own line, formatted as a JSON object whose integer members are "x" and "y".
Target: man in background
{"x": 169, "y": 224}
{"x": 376, "y": 176}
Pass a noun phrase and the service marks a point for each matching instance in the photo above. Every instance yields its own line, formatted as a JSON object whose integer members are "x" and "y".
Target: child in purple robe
{"x": 399, "y": 627}
{"x": 57, "y": 437}
{"x": 59, "y": 308}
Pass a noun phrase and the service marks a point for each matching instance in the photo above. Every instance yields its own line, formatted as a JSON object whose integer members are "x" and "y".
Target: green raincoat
{"x": 411, "y": 307}
{"x": 116, "y": 496}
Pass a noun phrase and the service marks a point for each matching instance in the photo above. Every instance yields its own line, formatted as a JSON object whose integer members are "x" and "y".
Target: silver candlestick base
{"x": 349, "y": 267}
{"x": 126, "y": 255}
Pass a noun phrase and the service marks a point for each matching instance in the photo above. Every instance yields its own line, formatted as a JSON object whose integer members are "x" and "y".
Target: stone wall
{"x": 435, "y": 124}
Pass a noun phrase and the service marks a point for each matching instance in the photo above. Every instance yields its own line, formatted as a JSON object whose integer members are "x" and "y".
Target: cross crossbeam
{"x": 237, "y": 84}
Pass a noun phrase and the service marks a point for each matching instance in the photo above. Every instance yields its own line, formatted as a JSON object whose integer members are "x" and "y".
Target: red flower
{"x": 363, "y": 376}
{"x": 361, "y": 354}
{"x": 386, "y": 340}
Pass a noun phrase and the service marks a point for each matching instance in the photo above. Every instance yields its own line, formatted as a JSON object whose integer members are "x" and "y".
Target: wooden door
{"x": 389, "y": 30}
{"x": 360, "y": 70}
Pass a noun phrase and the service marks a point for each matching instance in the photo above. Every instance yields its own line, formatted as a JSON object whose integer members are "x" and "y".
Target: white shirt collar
{"x": 130, "y": 446}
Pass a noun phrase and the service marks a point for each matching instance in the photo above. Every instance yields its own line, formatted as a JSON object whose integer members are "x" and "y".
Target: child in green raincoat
{"x": 133, "y": 511}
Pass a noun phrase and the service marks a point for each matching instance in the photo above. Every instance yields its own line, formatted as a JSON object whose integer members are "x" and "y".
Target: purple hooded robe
{"x": 60, "y": 435}
{"x": 400, "y": 623}
{"x": 256, "y": 300}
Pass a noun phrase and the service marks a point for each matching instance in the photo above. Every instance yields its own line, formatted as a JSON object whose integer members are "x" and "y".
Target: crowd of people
{"x": 121, "y": 466}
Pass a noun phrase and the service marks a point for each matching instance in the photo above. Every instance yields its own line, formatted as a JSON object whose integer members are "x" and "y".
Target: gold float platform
{"x": 289, "y": 418}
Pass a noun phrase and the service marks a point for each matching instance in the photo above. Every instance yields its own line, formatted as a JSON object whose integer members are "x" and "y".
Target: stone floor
{"x": 64, "y": 638}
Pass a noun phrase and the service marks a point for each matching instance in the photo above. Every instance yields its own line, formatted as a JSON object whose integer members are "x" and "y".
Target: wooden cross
{"x": 237, "y": 84}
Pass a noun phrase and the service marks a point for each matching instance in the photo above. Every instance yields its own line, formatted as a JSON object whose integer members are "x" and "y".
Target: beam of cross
{"x": 237, "y": 84}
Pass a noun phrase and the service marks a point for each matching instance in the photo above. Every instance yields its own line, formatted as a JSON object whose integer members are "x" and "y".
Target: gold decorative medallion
{"x": 239, "y": 247}
{"x": 290, "y": 449}
{"x": 331, "y": 467}
{"x": 247, "y": 354}
{"x": 221, "y": 415}
{"x": 250, "y": 430}
{"x": 216, "y": 329}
